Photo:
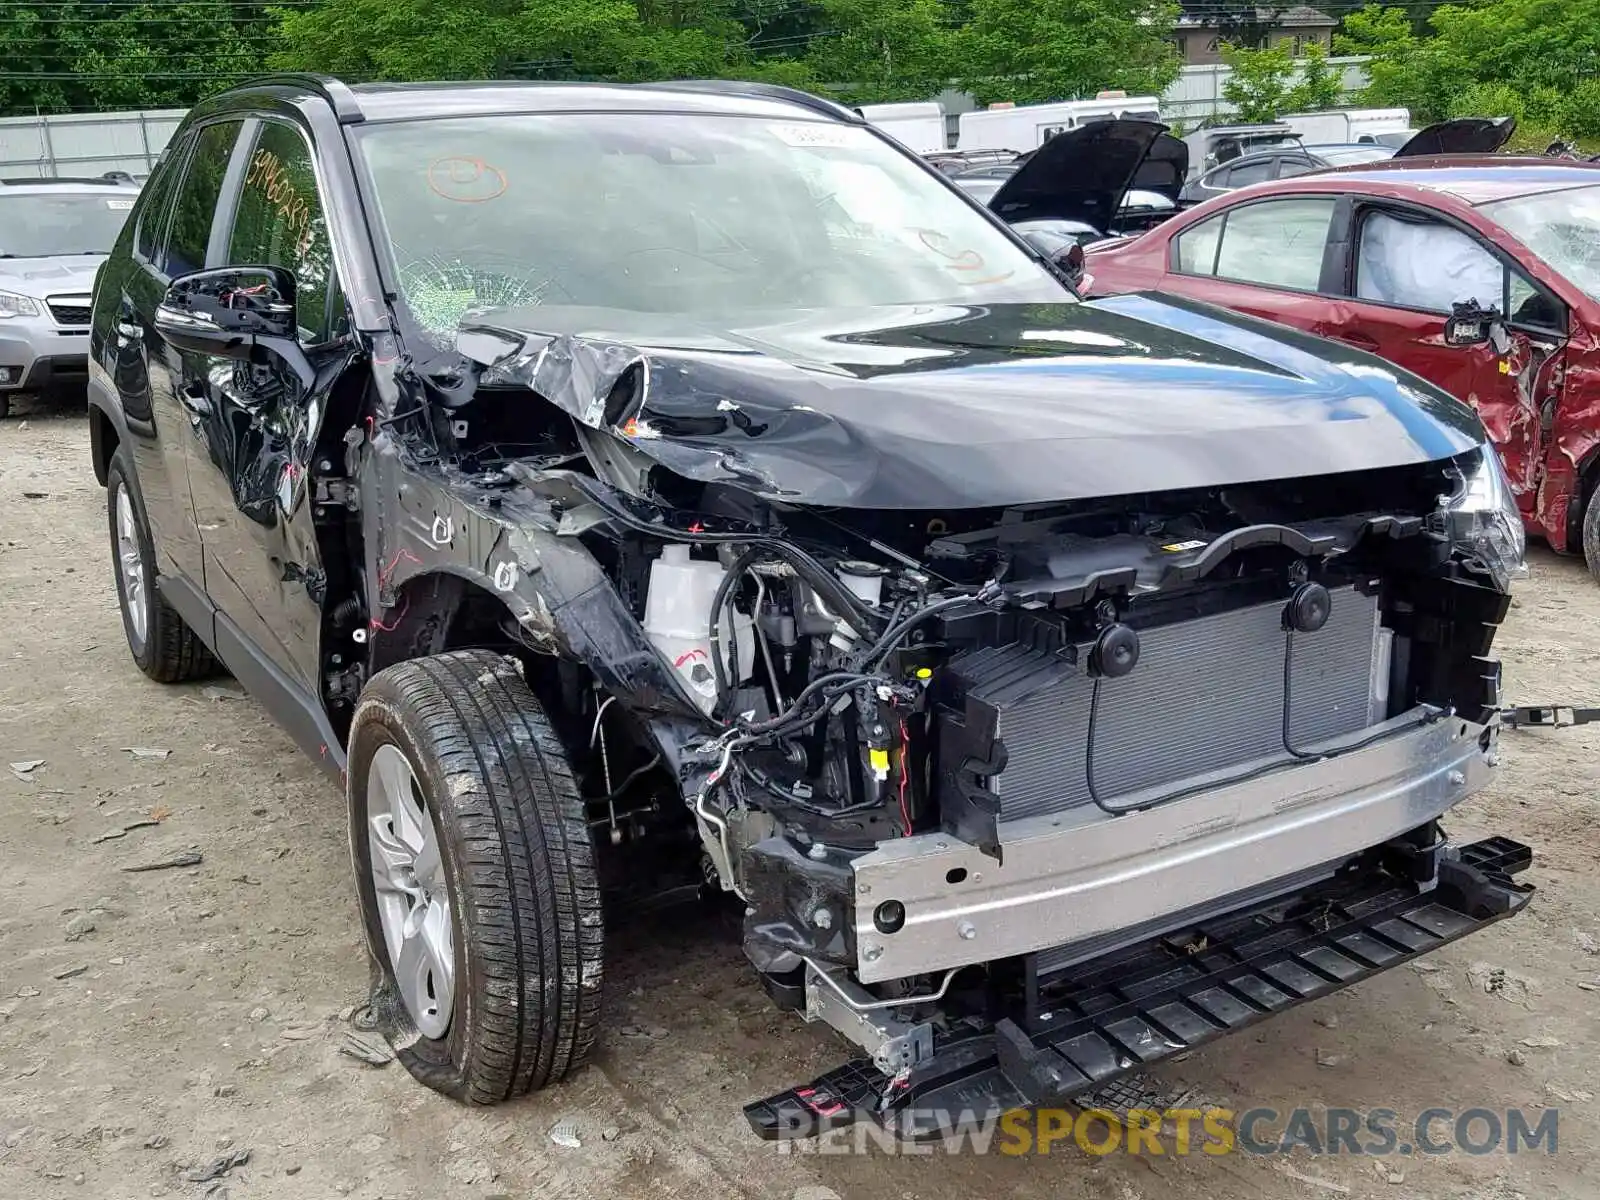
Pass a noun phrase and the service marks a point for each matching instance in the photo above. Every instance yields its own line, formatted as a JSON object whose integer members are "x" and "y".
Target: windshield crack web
{"x": 440, "y": 291}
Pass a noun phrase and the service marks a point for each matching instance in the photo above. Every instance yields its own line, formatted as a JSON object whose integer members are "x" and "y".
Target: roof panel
{"x": 1475, "y": 180}
{"x": 409, "y": 101}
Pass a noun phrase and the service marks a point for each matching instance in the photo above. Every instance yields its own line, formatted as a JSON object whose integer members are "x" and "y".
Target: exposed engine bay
{"x": 945, "y": 756}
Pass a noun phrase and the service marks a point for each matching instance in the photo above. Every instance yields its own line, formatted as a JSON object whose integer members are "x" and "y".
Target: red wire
{"x": 383, "y": 582}
{"x": 400, "y": 616}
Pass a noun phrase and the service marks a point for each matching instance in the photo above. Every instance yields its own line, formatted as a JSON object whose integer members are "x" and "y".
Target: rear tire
{"x": 489, "y": 815}
{"x": 1591, "y": 534}
{"x": 164, "y": 648}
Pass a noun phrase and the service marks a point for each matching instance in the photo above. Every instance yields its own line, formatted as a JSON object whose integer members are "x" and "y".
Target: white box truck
{"x": 1348, "y": 125}
{"x": 919, "y": 126}
{"x": 1027, "y": 127}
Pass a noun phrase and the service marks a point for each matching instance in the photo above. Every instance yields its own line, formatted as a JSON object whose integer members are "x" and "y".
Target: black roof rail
{"x": 346, "y": 108}
{"x": 106, "y": 180}
{"x": 765, "y": 91}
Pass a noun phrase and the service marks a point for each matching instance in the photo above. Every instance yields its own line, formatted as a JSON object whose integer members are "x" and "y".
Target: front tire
{"x": 477, "y": 878}
{"x": 1591, "y": 534}
{"x": 164, "y": 648}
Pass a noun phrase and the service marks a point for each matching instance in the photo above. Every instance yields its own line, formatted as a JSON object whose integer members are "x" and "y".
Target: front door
{"x": 256, "y": 435}
{"x": 173, "y": 232}
{"x": 1409, "y": 270}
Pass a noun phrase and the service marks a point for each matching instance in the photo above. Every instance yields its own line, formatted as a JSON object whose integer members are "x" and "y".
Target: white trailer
{"x": 1010, "y": 127}
{"x": 1348, "y": 124}
{"x": 919, "y": 126}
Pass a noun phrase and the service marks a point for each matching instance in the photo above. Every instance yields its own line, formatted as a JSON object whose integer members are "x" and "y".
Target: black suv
{"x": 616, "y": 486}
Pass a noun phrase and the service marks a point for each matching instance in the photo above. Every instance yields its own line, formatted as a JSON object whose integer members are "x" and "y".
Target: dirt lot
{"x": 153, "y": 1022}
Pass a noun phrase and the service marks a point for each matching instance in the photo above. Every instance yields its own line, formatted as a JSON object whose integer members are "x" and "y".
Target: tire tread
{"x": 526, "y": 863}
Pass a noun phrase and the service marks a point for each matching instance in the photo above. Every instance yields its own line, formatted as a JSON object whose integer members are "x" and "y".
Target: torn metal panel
{"x": 1573, "y": 444}
{"x": 505, "y": 543}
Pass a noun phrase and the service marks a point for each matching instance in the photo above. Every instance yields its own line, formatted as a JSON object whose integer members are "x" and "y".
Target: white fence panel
{"x": 84, "y": 144}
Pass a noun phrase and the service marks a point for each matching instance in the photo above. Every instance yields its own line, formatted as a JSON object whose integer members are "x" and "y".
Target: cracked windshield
{"x": 1563, "y": 228}
{"x": 669, "y": 213}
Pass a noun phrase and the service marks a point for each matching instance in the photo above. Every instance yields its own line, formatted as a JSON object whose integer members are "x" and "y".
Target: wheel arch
{"x": 450, "y": 607}
{"x": 105, "y": 435}
{"x": 1588, "y": 482}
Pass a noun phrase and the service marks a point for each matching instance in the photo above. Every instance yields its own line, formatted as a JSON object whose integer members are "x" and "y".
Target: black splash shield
{"x": 1129, "y": 1010}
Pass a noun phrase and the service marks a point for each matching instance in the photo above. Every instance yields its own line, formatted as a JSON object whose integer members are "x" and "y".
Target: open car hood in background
{"x": 1463, "y": 135}
{"x": 1084, "y": 174}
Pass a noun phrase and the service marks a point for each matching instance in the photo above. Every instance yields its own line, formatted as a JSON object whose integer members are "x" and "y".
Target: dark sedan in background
{"x": 1280, "y": 162}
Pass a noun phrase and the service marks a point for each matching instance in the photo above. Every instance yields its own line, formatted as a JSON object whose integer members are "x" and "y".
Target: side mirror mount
{"x": 223, "y": 310}
{"x": 235, "y": 312}
{"x": 1470, "y": 324}
{"x": 1061, "y": 252}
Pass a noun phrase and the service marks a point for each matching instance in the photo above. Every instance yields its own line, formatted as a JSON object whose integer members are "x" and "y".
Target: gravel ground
{"x": 151, "y": 1023}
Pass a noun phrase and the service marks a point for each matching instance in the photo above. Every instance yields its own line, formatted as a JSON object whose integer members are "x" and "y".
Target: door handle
{"x": 1360, "y": 341}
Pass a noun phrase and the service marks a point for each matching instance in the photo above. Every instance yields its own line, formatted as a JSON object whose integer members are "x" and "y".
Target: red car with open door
{"x": 1481, "y": 275}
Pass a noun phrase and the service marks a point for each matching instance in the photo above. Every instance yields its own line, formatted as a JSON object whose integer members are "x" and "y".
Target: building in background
{"x": 1205, "y": 26}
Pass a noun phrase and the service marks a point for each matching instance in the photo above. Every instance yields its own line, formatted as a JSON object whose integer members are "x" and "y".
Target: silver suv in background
{"x": 54, "y": 234}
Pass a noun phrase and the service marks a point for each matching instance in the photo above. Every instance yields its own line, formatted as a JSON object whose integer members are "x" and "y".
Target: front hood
{"x": 950, "y": 406}
{"x": 1463, "y": 135}
{"x": 1083, "y": 174}
{"x": 40, "y": 277}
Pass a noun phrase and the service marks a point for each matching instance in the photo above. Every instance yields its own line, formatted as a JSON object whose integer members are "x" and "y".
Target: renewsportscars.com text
{"x": 1376, "y": 1132}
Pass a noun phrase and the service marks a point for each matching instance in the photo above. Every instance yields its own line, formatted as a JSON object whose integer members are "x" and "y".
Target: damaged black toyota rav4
{"x": 622, "y": 485}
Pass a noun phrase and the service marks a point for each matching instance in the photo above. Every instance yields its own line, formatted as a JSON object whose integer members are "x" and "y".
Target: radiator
{"x": 1207, "y": 695}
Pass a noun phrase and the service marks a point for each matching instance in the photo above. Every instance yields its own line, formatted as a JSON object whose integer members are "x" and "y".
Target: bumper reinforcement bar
{"x": 1135, "y": 1007}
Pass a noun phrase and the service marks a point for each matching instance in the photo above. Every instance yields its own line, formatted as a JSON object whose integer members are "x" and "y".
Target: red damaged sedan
{"x": 1481, "y": 275}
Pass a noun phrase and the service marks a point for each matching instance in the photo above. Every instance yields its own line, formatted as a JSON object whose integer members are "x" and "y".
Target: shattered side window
{"x": 1425, "y": 265}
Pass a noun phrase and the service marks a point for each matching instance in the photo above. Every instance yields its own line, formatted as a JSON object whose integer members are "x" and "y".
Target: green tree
{"x": 1258, "y": 86}
{"x": 1320, "y": 86}
{"x": 882, "y": 50}
{"x": 1386, "y": 36}
{"x": 79, "y": 54}
{"x": 1530, "y": 58}
{"x": 1032, "y": 51}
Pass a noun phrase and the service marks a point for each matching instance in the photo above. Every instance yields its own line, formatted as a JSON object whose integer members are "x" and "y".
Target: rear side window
{"x": 195, "y": 205}
{"x": 1275, "y": 243}
{"x": 1250, "y": 172}
{"x": 156, "y": 202}
{"x": 280, "y": 222}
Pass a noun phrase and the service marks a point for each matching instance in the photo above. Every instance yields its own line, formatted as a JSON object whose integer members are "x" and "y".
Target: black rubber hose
{"x": 885, "y": 645}
{"x": 838, "y": 597}
{"x": 719, "y": 602}
{"x": 777, "y": 723}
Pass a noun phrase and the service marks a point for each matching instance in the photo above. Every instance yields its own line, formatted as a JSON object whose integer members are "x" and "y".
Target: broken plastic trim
{"x": 1547, "y": 716}
{"x": 1137, "y": 1008}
